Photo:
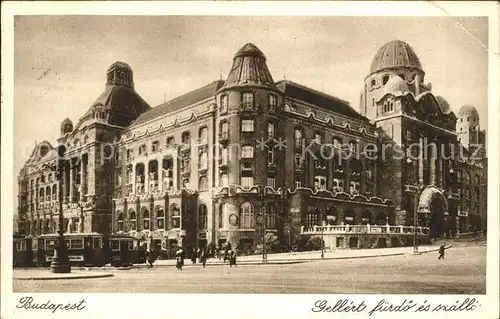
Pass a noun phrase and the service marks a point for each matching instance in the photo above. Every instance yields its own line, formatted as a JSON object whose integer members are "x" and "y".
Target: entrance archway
{"x": 433, "y": 203}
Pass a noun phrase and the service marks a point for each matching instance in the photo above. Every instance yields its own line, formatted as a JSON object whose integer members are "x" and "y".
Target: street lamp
{"x": 321, "y": 233}
{"x": 262, "y": 191}
{"x": 415, "y": 214}
{"x": 60, "y": 260}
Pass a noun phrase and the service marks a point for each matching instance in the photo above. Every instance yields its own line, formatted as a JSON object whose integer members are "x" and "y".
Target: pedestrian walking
{"x": 232, "y": 259}
{"x": 193, "y": 256}
{"x": 203, "y": 258}
{"x": 179, "y": 258}
{"x": 441, "y": 252}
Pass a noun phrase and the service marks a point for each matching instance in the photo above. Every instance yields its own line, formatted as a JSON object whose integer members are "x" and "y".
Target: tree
{"x": 315, "y": 243}
{"x": 272, "y": 242}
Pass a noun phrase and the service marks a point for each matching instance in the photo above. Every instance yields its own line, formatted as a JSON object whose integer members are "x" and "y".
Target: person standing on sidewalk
{"x": 203, "y": 257}
{"x": 232, "y": 259}
{"x": 441, "y": 252}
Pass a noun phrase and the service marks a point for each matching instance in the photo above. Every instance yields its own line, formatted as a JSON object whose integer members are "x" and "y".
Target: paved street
{"x": 462, "y": 272}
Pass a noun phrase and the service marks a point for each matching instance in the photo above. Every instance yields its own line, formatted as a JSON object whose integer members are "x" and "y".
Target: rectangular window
{"x": 155, "y": 146}
{"x": 354, "y": 188}
{"x": 247, "y": 100}
{"x": 247, "y": 126}
{"x": 272, "y": 102}
{"x": 270, "y": 156}
{"x": 170, "y": 141}
{"x": 247, "y": 182}
{"x": 298, "y": 160}
{"x": 223, "y": 104}
{"x": 319, "y": 183}
{"x": 271, "y": 182}
{"x": 270, "y": 130}
{"x": 338, "y": 185}
{"x": 298, "y": 184}
{"x": 247, "y": 152}
{"x": 224, "y": 181}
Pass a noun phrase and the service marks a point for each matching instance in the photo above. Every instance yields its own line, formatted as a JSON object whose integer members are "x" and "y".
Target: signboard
{"x": 294, "y": 210}
{"x": 71, "y": 258}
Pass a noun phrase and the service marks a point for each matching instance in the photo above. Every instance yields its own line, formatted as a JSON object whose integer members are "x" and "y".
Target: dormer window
{"x": 247, "y": 101}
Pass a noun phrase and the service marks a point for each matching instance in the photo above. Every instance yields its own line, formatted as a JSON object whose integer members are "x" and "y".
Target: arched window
{"x": 224, "y": 128}
{"x": 35, "y": 227}
{"x": 311, "y": 218}
{"x": 478, "y": 179}
{"x": 373, "y": 82}
{"x": 42, "y": 195}
{"x": 298, "y": 137}
{"x": 54, "y": 192}
{"x": 119, "y": 221}
{"x": 246, "y": 216}
{"x": 132, "y": 219}
{"x": 145, "y": 218}
{"x": 175, "y": 214}
{"x": 47, "y": 193}
{"x": 186, "y": 138}
{"x": 385, "y": 78}
{"x": 271, "y": 217}
{"x": 318, "y": 138}
{"x": 160, "y": 217}
{"x": 202, "y": 217}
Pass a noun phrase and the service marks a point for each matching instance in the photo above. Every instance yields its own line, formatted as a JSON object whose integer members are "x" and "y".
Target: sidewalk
{"x": 298, "y": 257}
{"x": 45, "y": 274}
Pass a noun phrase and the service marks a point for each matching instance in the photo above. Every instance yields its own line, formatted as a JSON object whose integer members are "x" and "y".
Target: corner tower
{"x": 395, "y": 58}
{"x": 248, "y": 106}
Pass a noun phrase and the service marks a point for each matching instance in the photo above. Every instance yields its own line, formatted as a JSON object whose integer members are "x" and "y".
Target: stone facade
{"x": 228, "y": 160}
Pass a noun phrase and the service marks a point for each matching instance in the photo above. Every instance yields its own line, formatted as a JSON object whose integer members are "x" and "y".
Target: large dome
{"x": 468, "y": 110}
{"x": 395, "y": 54}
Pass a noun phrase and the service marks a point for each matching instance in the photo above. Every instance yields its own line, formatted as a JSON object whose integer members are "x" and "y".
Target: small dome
{"x": 249, "y": 68}
{"x": 445, "y": 106}
{"x": 66, "y": 126}
{"x": 468, "y": 110}
{"x": 396, "y": 86}
{"x": 395, "y": 54}
{"x": 121, "y": 65}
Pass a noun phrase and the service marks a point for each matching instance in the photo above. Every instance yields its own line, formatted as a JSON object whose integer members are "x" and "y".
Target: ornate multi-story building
{"x": 218, "y": 163}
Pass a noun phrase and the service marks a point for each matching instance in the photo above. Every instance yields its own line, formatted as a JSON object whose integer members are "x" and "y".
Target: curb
{"x": 83, "y": 276}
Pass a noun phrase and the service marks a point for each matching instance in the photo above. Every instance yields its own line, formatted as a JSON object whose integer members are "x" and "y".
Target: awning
{"x": 428, "y": 195}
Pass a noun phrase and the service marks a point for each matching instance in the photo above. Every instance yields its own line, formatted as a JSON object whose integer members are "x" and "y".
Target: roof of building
{"x": 178, "y": 103}
{"x": 468, "y": 110}
{"x": 122, "y": 102}
{"x": 249, "y": 68}
{"x": 445, "y": 106}
{"x": 395, "y": 54}
{"x": 325, "y": 101}
{"x": 120, "y": 64}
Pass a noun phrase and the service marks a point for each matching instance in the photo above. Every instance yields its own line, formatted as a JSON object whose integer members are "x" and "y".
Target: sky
{"x": 60, "y": 61}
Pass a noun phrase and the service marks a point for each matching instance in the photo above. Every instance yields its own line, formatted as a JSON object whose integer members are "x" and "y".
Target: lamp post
{"x": 60, "y": 260}
{"x": 415, "y": 214}
{"x": 262, "y": 189}
{"x": 321, "y": 232}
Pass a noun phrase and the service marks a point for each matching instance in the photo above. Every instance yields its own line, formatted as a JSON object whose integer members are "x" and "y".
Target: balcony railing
{"x": 362, "y": 229}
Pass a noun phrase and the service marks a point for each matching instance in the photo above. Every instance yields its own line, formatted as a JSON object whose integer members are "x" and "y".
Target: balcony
{"x": 202, "y": 168}
{"x": 223, "y": 137}
{"x": 202, "y": 142}
{"x": 362, "y": 229}
{"x": 185, "y": 147}
{"x": 185, "y": 171}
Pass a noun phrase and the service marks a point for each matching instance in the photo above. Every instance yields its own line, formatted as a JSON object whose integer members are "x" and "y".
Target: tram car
{"x": 22, "y": 252}
{"x": 125, "y": 250}
{"x": 84, "y": 249}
